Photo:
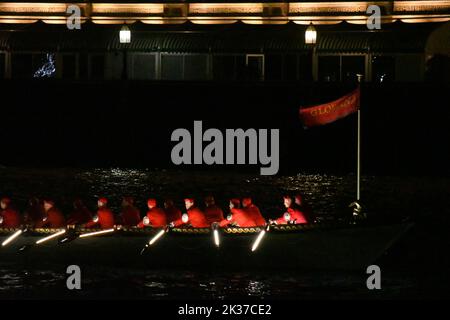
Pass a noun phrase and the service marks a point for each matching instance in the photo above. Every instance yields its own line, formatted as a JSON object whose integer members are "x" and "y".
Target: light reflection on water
{"x": 117, "y": 284}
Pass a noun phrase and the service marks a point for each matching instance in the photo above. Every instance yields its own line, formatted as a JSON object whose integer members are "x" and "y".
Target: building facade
{"x": 225, "y": 41}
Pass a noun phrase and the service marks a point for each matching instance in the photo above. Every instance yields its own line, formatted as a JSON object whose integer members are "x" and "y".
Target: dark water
{"x": 416, "y": 267}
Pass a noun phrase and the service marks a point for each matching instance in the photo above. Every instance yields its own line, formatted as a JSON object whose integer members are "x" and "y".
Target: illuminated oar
{"x": 260, "y": 237}
{"x": 216, "y": 234}
{"x": 12, "y": 237}
{"x": 95, "y": 233}
{"x": 155, "y": 238}
{"x": 52, "y": 236}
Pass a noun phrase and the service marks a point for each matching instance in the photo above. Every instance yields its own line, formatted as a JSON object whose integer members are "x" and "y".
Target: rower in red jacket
{"x": 172, "y": 212}
{"x": 34, "y": 213}
{"x": 156, "y": 217}
{"x": 80, "y": 214}
{"x": 253, "y": 211}
{"x": 194, "y": 216}
{"x": 213, "y": 212}
{"x": 9, "y": 217}
{"x": 304, "y": 207}
{"x": 53, "y": 216}
{"x": 237, "y": 217}
{"x": 130, "y": 215}
{"x": 292, "y": 214}
{"x": 104, "y": 218}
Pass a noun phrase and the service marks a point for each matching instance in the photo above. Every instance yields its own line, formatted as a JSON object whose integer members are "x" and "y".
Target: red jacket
{"x": 253, "y": 212}
{"x": 295, "y": 216}
{"x": 104, "y": 219}
{"x": 80, "y": 216}
{"x": 53, "y": 219}
{"x": 239, "y": 217}
{"x": 34, "y": 214}
{"x": 196, "y": 218}
{"x": 172, "y": 214}
{"x": 11, "y": 218}
{"x": 156, "y": 218}
{"x": 130, "y": 216}
{"x": 213, "y": 213}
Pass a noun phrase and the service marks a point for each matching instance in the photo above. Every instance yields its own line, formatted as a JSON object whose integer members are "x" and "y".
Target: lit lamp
{"x": 310, "y": 40}
{"x": 125, "y": 38}
{"x": 311, "y": 35}
{"x": 125, "y": 34}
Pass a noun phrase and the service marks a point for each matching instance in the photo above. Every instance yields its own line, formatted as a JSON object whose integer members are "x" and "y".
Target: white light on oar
{"x": 155, "y": 238}
{"x": 51, "y": 236}
{"x": 89, "y": 234}
{"x": 216, "y": 237}
{"x": 258, "y": 240}
{"x": 12, "y": 237}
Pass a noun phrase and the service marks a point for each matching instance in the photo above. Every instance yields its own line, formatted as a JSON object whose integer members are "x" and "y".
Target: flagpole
{"x": 358, "y": 153}
{"x": 358, "y": 169}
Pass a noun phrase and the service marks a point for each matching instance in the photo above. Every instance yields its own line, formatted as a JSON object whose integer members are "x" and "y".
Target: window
{"x": 97, "y": 65}
{"x": 329, "y": 68}
{"x": 69, "y": 66}
{"x": 171, "y": 67}
{"x": 274, "y": 67}
{"x": 383, "y": 68}
{"x": 341, "y": 68}
{"x": 409, "y": 67}
{"x": 144, "y": 66}
{"x": 196, "y": 67}
{"x": 305, "y": 67}
{"x": 255, "y": 66}
{"x": 351, "y": 67}
{"x": 224, "y": 67}
{"x": 22, "y": 65}
{"x": 83, "y": 65}
{"x": 2, "y": 65}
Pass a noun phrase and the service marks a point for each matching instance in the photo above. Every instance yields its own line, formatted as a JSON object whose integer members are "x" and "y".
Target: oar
{"x": 44, "y": 239}
{"x": 215, "y": 231}
{"x": 153, "y": 240}
{"x": 96, "y": 233}
{"x": 12, "y": 237}
{"x": 260, "y": 236}
{"x": 52, "y": 236}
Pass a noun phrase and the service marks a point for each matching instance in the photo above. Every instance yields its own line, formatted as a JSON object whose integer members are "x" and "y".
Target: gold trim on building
{"x": 224, "y": 13}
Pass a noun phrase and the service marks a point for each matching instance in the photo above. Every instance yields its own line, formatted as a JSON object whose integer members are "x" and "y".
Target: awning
{"x": 238, "y": 38}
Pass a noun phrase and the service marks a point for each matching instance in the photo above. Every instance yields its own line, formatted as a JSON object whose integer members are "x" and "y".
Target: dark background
{"x": 129, "y": 123}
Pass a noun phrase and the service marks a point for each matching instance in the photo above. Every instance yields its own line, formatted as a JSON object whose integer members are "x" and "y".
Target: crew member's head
{"x": 246, "y": 202}
{"x": 4, "y": 202}
{"x": 209, "y": 201}
{"x": 189, "y": 203}
{"x": 298, "y": 199}
{"x": 168, "y": 203}
{"x": 78, "y": 204}
{"x": 151, "y": 203}
{"x": 127, "y": 201}
{"x": 48, "y": 204}
{"x": 287, "y": 201}
{"x": 102, "y": 202}
{"x": 235, "y": 203}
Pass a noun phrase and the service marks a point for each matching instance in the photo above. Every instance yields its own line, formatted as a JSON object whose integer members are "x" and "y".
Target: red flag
{"x": 331, "y": 111}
